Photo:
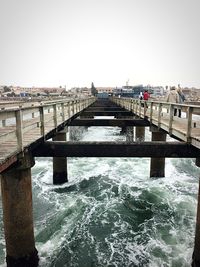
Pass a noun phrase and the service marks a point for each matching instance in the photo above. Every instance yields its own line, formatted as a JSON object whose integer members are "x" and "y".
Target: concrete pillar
{"x": 123, "y": 130}
{"x": 140, "y": 134}
{"x": 157, "y": 166}
{"x": 17, "y": 215}
{"x": 196, "y": 253}
{"x": 129, "y": 134}
{"x": 86, "y": 117}
{"x": 75, "y": 132}
{"x": 59, "y": 163}
{"x": 197, "y": 162}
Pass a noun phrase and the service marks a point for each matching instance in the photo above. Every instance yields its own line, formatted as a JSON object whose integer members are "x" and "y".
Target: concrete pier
{"x": 157, "y": 165}
{"x": 60, "y": 163}
{"x": 196, "y": 253}
{"x": 17, "y": 215}
{"x": 129, "y": 134}
{"x": 140, "y": 134}
{"x": 197, "y": 162}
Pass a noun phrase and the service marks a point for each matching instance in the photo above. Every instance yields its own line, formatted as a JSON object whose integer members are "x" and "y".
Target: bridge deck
{"x": 160, "y": 114}
{"x": 27, "y": 126}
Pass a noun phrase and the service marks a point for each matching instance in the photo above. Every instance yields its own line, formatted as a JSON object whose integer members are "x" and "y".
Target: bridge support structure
{"x": 196, "y": 253}
{"x": 129, "y": 134}
{"x": 197, "y": 162}
{"x": 60, "y": 163}
{"x": 140, "y": 134}
{"x": 17, "y": 214}
{"x": 157, "y": 165}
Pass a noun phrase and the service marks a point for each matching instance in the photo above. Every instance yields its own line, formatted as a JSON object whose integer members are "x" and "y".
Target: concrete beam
{"x": 109, "y": 122}
{"x": 119, "y": 149}
{"x": 107, "y": 113}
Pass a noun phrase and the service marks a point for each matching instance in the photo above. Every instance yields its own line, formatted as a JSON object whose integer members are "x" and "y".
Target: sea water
{"x": 111, "y": 213}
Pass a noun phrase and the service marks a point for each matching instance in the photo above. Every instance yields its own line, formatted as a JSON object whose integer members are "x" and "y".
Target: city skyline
{"x": 73, "y": 43}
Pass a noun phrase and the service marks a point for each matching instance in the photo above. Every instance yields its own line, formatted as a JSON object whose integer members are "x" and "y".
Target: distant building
{"x": 108, "y": 90}
{"x": 33, "y": 91}
{"x": 129, "y": 91}
{"x": 157, "y": 90}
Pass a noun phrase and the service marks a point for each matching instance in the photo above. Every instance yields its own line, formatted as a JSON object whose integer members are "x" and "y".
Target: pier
{"x": 39, "y": 130}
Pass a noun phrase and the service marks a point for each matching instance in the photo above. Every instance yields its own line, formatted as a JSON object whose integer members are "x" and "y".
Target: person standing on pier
{"x": 141, "y": 96}
{"x": 181, "y": 99}
{"x": 146, "y": 96}
{"x": 172, "y": 97}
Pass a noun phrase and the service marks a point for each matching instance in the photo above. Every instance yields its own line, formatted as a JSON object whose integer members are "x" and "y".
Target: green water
{"x": 112, "y": 214}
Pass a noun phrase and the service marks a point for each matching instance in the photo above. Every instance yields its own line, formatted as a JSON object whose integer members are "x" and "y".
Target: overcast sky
{"x": 108, "y": 42}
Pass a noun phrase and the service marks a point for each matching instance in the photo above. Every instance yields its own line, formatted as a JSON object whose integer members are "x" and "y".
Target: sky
{"x": 73, "y": 43}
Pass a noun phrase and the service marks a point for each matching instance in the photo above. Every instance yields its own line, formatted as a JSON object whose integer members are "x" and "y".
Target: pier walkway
{"x": 29, "y": 124}
{"x": 26, "y": 126}
{"x": 161, "y": 114}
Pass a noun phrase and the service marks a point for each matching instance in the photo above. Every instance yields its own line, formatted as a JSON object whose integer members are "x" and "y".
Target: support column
{"x": 157, "y": 166}
{"x": 17, "y": 215}
{"x": 196, "y": 253}
{"x": 85, "y": 117}
{"x": 129, "y": 134}
{"x": 140, "y": 134}
{"x": 60, "y": 163}
{"x": 197, "y": 162}
{"x": 123, "y": 130}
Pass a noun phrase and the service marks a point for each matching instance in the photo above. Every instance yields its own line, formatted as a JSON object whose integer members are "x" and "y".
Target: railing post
{"x": 68, "y": 108}
{"x": 136, "y": 108}
{"x": 189, "y": 123}
{"x": 72, "y": 107}
{"x": 140, "y": 108}
{"x": 55, "y": 119}
{"x": 3, "y": 121}
{"x": 63, "y": 111}
{"x": 80, "y": 105}
{"x": 19, "y": 129}
{"x": 171, "y": 114}
{"x": 132, "y": 105}
{"x": 42, "y": 130}
{"x": 159, "y": 114}
{"x": 151, "y": 112}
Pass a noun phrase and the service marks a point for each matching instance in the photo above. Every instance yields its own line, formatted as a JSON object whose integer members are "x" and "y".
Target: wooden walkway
{"x": 161, "y": 114}
{"x": 23, "y": 128}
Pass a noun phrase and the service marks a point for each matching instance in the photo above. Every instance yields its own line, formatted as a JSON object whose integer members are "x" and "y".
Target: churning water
{"x": 111, "y": 213}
